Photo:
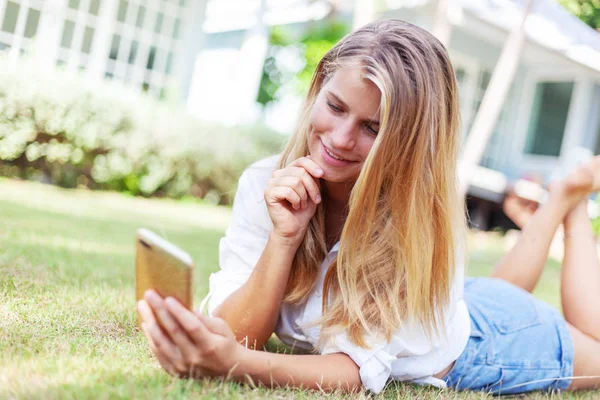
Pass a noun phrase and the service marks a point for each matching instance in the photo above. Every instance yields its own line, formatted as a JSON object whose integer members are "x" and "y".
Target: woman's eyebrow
{"x": 337, "y": 98}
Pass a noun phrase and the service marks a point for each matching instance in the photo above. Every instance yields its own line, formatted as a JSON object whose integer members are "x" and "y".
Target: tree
{"x": 292, "y": 58}
{"x": 586, "y": 10}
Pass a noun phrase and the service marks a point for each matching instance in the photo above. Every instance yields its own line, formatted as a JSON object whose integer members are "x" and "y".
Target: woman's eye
{"x": 372, "y": 130}
{"x": 334, "y": 107}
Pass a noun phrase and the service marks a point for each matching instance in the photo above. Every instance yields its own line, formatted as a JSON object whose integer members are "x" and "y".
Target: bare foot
{"x": 578, "y": 185}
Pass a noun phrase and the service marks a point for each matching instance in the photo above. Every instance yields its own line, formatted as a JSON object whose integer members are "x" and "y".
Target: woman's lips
{"x": 334, "y": 162}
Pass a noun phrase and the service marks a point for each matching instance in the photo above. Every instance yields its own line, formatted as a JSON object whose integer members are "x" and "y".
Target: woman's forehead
{"x": 350, "y": 86}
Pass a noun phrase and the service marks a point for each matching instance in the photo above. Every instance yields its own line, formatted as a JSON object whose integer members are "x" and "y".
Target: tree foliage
{"x": 586, "y": 10}
{"x": 58, "y": 128}
{"x": 293, "y": 57}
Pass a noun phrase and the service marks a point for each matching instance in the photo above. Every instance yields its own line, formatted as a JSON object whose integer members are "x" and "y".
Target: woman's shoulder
{"x": 259, "y": 172}
{"x": 255, "y": 178}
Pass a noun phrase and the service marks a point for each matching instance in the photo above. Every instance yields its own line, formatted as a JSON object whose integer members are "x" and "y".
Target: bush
{"x": 58, "y": 128}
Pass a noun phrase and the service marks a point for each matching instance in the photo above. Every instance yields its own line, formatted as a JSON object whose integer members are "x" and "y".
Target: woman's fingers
{"x": 170, "y": 324}
{"x": 309, "y": 165}
{"x": 301, "y": 176}
{"x": 166, "y": 351}
{"x": 216, "y": 325}
{"x": 298, "y": 177}
{"x": 296, "y": 184}
{"x": 162, "y": 359}
{"x": 190, "y": 322}
{"x": 145, "y": 311}
{"x": 280, "y": 193}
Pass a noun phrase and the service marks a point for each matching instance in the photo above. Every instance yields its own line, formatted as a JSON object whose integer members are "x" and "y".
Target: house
{"x": 551, "y": 118}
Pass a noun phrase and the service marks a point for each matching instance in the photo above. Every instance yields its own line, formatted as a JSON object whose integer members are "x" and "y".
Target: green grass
{"x": 67, "y": 307}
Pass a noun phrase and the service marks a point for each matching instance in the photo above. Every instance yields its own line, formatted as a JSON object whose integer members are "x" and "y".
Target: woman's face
{"x": 343, "y": 125}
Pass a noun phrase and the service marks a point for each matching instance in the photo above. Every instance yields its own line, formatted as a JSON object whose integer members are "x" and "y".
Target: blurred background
{"x": 176, "y": 97}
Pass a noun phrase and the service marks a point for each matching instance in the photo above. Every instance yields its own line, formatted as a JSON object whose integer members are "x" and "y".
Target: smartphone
{"x": 163, "y": 267}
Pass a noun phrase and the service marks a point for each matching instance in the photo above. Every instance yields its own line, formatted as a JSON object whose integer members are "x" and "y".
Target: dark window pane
{"x": 151, "y": 58}
{"x": 549, "y": 118}
{"x": 74, "y": 4}
{"x": 140, "y": 17}
{"x": 33, "y": 19}
{"x": 10, "y": 17}
{"x": 133, "y": 51}
{"x": 123, "y": 4}
{"x": 159, "y": 22}
{"x": 88, "y": 37}
{"x": 114, "y": 47}
{"x": 67, "y": 35}
{"x": 94, "y": 7}
{"x": 169, "y": 63}
{"x": 176, "y": 28}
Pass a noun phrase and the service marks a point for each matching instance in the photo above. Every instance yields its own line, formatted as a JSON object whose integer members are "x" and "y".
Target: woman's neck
{"x": 336, "y": 195}
{"x": 335, "y": 200}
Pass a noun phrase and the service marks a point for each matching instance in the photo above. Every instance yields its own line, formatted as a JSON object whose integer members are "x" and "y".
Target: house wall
{"x": 475, "y": 48}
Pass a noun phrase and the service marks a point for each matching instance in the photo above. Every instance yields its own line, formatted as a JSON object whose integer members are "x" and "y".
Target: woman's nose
{"x": 343, "y": 136}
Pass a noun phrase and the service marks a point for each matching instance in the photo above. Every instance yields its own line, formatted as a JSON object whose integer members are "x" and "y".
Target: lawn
{"x": 67, "y": 307}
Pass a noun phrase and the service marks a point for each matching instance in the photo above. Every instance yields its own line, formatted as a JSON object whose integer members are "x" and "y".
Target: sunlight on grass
{"x": 67, "y": 315}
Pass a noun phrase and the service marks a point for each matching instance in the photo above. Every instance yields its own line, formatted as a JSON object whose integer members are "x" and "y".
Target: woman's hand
{"x": 191, "y": 344}
{"x": 292, "y": 196}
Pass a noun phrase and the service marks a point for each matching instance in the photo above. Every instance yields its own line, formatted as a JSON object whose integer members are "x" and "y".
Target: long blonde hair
{"x": 406, "y": 220}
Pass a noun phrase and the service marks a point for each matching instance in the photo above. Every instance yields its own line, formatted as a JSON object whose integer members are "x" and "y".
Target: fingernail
{"x": 319, "y": 171}
{"x": 170, "y": 301}
{"x": 318, "y": 198}
{"x": 139, "y": 304}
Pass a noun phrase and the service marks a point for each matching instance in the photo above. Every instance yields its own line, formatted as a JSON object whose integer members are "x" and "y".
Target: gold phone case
{"x": 162, "y": 266}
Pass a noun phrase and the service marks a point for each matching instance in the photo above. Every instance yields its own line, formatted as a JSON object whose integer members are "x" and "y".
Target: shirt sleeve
{"x": 375, "y": 363}
{"x": 244, "y": 240}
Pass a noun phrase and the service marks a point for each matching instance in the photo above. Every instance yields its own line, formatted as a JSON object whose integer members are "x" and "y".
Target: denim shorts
{"x": 517, "y": 344}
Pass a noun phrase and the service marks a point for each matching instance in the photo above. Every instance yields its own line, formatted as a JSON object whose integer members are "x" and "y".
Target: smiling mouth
{"x": 333, "y": 155}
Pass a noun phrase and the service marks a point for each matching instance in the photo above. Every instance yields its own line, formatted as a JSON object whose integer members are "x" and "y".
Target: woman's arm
{"x": 194, "y": 345}
{"x": 328, "y": 372}
{"x": 253, "y": 309}
{"x": 291, "y": 197}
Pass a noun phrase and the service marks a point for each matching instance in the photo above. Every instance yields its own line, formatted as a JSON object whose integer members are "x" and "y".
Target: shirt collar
{"x": 335, "y": 248}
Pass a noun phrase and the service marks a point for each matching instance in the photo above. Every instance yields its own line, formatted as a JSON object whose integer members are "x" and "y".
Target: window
{"x": 123, "y": 4}
{"x": 159, "y": 22}
{"x": 151, "y": 58}
{"x": 133, "y": 52}
{"x": 88, "y": 37}
{"x": 94, "y": 7}
{"x": 176, "y": 28}
{"x": 74, "y": 4}
{"x": 169, "y": 63}
{"x": 548, "y": 118}
{"x": 114, "y": 47}
{"x": 139, "y": 22}
{"x": 33, "y": 19}
{"x": 67, "y": 35}
{"x": 10, "y": 17}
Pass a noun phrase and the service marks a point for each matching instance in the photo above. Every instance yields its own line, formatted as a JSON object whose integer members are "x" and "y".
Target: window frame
{"x": 536, "y": 162}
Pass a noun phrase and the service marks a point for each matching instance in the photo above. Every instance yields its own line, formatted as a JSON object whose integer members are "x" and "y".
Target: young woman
{"x": 350, "y": 244}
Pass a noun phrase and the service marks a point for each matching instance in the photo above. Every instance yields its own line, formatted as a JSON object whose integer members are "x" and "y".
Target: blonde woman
{"x": 351, "y": 245}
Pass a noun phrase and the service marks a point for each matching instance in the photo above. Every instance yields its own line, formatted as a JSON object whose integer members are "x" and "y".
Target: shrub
{"x": 59, "y": 128}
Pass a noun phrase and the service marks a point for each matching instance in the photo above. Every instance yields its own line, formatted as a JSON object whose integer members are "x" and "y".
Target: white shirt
{"x": 409, "y": 356}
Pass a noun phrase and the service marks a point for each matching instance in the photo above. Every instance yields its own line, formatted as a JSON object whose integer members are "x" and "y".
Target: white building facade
{"x": 142, "y": 43}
